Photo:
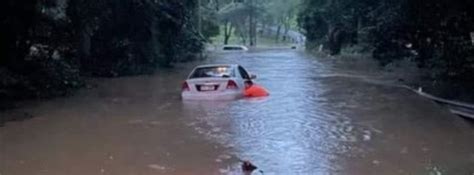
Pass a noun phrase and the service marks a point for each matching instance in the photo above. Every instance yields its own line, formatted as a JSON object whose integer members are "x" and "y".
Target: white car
{"x": 216, "y": 82}
{"x": 238, "y": 48}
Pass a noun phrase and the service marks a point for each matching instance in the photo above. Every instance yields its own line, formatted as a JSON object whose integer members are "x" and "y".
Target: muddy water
{"x": 319, "y": 119}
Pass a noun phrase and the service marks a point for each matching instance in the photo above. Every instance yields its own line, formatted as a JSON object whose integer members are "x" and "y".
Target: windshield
{"x": 209, "y": 72}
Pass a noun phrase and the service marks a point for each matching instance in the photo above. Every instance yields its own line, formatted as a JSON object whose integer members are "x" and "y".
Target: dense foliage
{"x": 437, "y": 34}
{"x": 48, "y": 45}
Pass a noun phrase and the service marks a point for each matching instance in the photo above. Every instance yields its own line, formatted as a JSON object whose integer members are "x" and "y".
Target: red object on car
{"x": 255, "y": 90}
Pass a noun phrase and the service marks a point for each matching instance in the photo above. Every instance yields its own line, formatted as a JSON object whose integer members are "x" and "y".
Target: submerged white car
{"x": 234, "y": 48}
{"x": 216, "y": 82}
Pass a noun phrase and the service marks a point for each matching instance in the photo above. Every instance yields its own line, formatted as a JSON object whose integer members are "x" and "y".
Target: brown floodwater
{"x": 321, "y": 118}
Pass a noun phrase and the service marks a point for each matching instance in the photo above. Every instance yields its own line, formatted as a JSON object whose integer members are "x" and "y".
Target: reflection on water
{"x": 317, "y": 120}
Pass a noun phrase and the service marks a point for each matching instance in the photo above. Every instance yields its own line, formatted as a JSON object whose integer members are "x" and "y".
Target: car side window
{"x": 243, "y": 73}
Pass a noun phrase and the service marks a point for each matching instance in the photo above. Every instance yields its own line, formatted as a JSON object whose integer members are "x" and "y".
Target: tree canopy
{"x": 50, "y": 44}
{"x": 434, "y": 33}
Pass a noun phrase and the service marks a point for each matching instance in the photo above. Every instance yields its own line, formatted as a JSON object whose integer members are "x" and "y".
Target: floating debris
{"x": 248, "y": 167}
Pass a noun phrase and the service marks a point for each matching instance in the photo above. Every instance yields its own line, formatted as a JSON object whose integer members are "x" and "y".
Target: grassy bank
{"x": 401, "y": 72}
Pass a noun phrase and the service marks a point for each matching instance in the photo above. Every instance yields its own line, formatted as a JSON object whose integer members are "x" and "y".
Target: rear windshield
{"x": 232, "y": 48}
{"x": 218, "y": 71}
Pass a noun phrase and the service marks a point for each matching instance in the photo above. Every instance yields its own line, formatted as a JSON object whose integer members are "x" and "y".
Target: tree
{"x": 50, "y": 44}
{"x": 233, "y": 17}
{"x": 434, "y": 33}
{"x": 283, "y": 14}
{"x": 334, "y": 23}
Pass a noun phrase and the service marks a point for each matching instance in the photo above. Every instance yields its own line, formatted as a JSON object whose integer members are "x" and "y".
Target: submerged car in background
{"x": 238, "y": 48}
{"x": 216, "y": 82}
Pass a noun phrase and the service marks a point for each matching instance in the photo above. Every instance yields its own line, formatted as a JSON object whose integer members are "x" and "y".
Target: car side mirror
{"x": 252, "y": 76}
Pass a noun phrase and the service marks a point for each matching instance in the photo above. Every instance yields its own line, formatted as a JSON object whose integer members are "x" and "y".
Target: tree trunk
{"x": 227, "y": 32}
{"x": 253, "y": 33}
{"x": 357, "y": 38}
{"x": 336, "y": 37}
{"x": 217, "y": 5}
{"x": 85, "y": 45}
{"x": 285, "y": 34}
{"x": 252, "y": 25}
{"x": 243, "y": 38}
{"x": 286, "y": 25}
{"x": 199, "y": 17}
{"x": 277, "y": 36}
{"x": 242, "y": 32}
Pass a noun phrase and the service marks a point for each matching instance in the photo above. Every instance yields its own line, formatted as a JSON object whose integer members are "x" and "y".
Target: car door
{"x": 243, "y": 76}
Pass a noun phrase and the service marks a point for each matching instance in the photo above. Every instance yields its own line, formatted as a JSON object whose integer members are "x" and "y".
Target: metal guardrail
{"x": 463, "y": 113}
{"x": 455, "y": 107}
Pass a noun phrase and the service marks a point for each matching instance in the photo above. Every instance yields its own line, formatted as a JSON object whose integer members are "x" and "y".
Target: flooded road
{"x": 321, "y": 118}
